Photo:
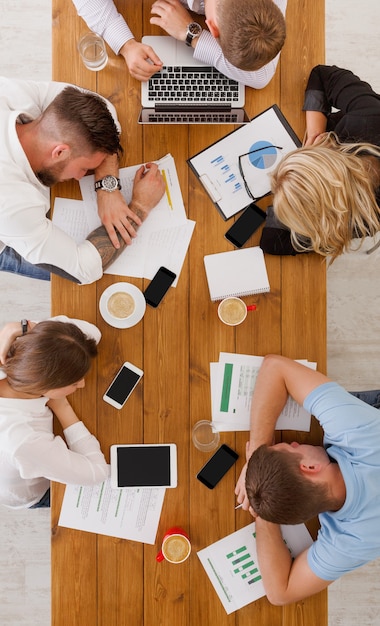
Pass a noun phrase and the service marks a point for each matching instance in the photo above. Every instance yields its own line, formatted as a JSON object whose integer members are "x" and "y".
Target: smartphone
{"x": 122, "y": 385}
{"x": 245, "y": 225}
{"x": 158, "y": 286}
{"x": 217, "y": 466}
{"x": 143, "y": 465}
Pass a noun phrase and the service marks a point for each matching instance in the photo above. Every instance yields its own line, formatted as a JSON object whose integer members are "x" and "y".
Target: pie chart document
{"x": 242, "y": 161}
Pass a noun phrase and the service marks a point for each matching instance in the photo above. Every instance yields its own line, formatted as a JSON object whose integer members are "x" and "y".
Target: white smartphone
{"x": 144, "y": 465}
{"x": 122, "y": 385}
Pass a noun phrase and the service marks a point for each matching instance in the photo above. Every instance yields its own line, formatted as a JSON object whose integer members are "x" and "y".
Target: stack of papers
{"x": 163, "y": 239}
{"x": 232, "y": 381}
{"x": 231, "y": 564}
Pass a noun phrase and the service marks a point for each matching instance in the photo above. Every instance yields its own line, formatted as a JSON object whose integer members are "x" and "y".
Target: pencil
{"x": 167, "y": 189}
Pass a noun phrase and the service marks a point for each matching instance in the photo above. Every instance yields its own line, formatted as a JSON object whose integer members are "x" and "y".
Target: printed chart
{"x": 263, "y": 155}
{"x": 231, "y": 564}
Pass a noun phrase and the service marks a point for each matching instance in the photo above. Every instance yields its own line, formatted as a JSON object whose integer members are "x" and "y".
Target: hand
{"x": 240, "y": 491}
{"x": 8, "y": 334}
{"x": 116, "y": 215}
{"x": 172, "y": 17}
{"x": 241, "y": 494}
{"x": 316, "y": 123}
{"x": 141, "y": 60}
{"x": 148, "y": 189}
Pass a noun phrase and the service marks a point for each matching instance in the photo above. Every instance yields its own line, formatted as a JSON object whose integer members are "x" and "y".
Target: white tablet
{"x": 144, "y": 465}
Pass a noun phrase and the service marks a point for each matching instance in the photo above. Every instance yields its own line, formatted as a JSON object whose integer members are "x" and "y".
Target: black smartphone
{"x": 158, "y": 286}
{"x": 217, "y": 466}
{"x": 245, "y": 225}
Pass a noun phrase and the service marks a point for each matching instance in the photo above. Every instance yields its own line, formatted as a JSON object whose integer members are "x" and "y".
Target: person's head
{"x": 50, "y": 360}
{"x": 81, "y": 131}
{"x": 250, "y": 32}
{"x": 283, "y": 483}
{"x": 325, "y": 195}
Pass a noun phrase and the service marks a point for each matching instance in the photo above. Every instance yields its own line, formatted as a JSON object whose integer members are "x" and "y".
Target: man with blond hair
{"x": 243, "y": 38}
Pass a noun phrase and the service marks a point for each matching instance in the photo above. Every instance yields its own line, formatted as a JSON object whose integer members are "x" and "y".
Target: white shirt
{"x": 103, "y": 17}
{"x": 30, "y": 454}
{"x": 24, "y": 201}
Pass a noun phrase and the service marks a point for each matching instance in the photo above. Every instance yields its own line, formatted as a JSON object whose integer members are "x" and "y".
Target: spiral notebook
{"x": 236, "y": 273}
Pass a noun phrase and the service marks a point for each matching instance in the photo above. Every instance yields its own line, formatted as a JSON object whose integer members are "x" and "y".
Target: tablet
{"x": 144, "y": 465}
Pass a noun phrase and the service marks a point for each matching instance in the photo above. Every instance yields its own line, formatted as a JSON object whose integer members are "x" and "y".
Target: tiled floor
{"x": 352, "y": 30}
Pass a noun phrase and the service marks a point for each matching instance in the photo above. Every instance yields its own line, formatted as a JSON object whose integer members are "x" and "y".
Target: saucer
{"x": 137, "y": 314}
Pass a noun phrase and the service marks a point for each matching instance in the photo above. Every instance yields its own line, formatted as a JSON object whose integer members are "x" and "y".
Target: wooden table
{"x": 99, "y": 580}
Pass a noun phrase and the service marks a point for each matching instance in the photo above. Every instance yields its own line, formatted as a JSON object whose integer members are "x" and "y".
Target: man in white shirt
{"x": 51, "y": 132}
{"x": 243, "y": 41}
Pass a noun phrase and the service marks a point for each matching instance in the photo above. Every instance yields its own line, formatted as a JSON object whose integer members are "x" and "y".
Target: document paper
{"x": 163, "y": 238}
{"x": 232, "y": 381}
{"x": 231, "y": 564}
{"x": 125, "y": 513}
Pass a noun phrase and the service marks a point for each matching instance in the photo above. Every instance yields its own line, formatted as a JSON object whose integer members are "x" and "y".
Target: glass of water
{"x": 93, "y": 52}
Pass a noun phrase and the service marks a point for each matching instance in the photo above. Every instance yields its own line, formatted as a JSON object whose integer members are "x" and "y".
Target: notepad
{"x": 236, "y": 273}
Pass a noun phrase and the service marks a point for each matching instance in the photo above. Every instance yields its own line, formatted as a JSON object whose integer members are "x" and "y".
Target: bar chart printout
{"x": 232, "y": 567}
{"x": 231, "y": 564}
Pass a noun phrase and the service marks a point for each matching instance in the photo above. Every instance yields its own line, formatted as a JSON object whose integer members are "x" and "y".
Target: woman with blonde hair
{"x": 328, "y": 192}
{"x": 41, "y": 365}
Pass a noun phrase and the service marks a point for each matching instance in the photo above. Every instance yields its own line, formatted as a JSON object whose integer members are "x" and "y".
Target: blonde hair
{"x": 325, "y": 193}
{"x": 251, "y": 32}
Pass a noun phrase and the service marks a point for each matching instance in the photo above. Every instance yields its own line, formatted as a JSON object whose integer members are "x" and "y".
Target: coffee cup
{"x": 121, "y": 305}
{"x": 232, "y": 311}
{"x": 93, "y": 51}
{"x": 176, "y": 546}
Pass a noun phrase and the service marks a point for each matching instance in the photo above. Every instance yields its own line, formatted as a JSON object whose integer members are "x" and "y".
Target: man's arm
{"x": 278, "y": 377}
{"x": 285, "y": 580}
{"x": 172, "y": 16}
{"x": 103, "y": 17}
{"x": 148, "y": 189}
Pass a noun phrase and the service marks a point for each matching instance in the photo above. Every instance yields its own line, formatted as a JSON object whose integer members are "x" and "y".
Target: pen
{"x": 238, "y": 506}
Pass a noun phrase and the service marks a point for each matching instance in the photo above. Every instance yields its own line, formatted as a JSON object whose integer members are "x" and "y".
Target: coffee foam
{"x": 176, "y": 548}
{"x": 232, "y": 311}
{"x": 121, "y": 305}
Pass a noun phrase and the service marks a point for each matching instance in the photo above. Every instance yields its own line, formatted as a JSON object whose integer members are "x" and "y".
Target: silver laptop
{"x": 187, "y": 91}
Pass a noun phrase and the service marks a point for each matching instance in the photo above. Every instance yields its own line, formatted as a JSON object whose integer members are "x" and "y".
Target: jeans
{"x": 44, "y": 502}
{"x": 11, "y": 261}
{"x": 371, "y": 397}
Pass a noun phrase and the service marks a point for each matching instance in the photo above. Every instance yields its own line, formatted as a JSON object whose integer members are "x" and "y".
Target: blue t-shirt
{"x": 350, "y": 537}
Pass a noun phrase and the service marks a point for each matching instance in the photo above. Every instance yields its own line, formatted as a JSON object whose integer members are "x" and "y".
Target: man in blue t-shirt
{"x": 291, "y": 483}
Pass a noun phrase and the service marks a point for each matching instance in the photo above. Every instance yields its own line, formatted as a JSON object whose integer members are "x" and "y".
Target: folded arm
{"x": 285, "y": 580}
{"x": 278, "y": 377}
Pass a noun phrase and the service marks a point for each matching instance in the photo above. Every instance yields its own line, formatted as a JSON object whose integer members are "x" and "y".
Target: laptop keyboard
{"x": 193, "y": 85}
{"x": 192, "y": 118}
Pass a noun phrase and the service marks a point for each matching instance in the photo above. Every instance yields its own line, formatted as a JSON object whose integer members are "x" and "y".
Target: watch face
{"x": 194, "y": 28}
{"x": 110, "y": 183}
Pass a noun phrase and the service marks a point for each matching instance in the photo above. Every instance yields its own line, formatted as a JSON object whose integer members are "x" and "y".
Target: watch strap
{"x": 190, "y": 36}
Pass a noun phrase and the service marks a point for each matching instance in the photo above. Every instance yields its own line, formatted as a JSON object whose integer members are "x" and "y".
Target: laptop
{"x": 187, "y": 91}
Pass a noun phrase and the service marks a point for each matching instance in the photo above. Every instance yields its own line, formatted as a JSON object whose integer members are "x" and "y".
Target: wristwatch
{"x": 193, "y": 31}
{"x": 108, "y": 183}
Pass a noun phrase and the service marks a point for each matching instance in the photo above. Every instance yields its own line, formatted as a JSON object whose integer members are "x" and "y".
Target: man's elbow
{"x": 277, "y": 599}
